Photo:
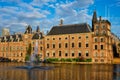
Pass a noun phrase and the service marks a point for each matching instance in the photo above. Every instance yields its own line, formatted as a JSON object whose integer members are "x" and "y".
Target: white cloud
{"x": 41, "y": 2}
{"x": 17, "y": 17}
{"x": 74, "y": 12}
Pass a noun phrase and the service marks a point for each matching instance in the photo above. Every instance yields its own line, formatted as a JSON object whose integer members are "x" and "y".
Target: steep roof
{"x": 70, "y": 29}
{"x": 37, "y": 36}
{"x": 14, "y": 38}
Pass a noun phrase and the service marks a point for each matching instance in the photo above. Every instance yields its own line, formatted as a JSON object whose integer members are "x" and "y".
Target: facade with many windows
{"x": 64, "y": 41}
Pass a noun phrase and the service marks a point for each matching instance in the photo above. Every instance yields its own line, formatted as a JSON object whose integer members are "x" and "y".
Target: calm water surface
{"x": 60, "y": 72}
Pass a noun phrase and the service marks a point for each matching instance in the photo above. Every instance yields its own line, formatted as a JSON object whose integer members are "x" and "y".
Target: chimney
{"x": 61, "y": 22}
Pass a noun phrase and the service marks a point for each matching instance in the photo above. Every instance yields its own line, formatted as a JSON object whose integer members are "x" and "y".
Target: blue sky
{"x": 16, "y": 14}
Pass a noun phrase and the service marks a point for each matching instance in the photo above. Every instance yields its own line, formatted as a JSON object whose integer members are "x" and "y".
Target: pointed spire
{"x": 28, "y": 29}
{"x": 38, "y": 29}
{"x": 94, "y": 19}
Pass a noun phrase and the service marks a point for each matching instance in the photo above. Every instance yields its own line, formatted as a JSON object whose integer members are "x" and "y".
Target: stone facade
{"x": 64, "y": 41}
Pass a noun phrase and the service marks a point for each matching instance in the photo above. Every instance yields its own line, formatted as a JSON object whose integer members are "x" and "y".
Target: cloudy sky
{"x": 16, "y": 14}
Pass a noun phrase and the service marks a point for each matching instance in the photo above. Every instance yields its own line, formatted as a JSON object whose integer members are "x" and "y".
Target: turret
{"x": 94, "y": 20}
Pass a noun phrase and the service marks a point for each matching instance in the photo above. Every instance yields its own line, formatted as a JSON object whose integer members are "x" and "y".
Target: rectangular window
{"x": 72, "y": 37}
{"x": 53, "y": 54}
{"x": 87, "y": 45}
{"x": 95, "y": 40}
{"x": 87, "y": 54}
{"x": 79, "y": 45}
{"x": 59, "y": 38}
{"x": 66, "y": 54}
{"x": 86, "y": 37}
{"x": 47, "y": 45}
{"x": 53, "y": 45}
{"x": 102, "y": 47}
{"x": 79, "y": 37}
{"x": 59, "y": 53}
{"x": 102, "y": 40}
{"x": 72, "y": 45}
{"x": 41, "y": 48}
{"x": 66, "y": 38}
{"x": 79, "y": 54}
{"x": 95, "y": 47}
{"x": 66, "y": 45}
{"x": 47, "y": 54}
{"x": 59, "y": 45}
{"x": 72, "y": 54}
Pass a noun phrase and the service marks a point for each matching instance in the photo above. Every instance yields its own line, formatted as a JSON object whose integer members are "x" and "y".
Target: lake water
{"x": 8, "y": 71}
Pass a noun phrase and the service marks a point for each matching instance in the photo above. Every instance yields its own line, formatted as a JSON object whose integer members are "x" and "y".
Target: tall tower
{"x": 94, "y": 20}
{"x": 102, "y": 46}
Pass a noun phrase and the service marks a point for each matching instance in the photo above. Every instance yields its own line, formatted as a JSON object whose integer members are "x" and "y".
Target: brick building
{"x": 64, "y": 41}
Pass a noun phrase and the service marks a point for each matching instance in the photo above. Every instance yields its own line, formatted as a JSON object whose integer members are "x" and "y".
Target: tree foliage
{"x": 29, "y": 50}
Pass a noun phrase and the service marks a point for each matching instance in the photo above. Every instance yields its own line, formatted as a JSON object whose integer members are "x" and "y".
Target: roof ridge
{"x": 69, "y": 24}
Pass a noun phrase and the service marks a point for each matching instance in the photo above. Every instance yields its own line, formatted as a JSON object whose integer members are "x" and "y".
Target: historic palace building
{"x": 64, "y": 41}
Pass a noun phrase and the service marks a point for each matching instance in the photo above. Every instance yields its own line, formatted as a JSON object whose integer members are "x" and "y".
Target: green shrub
{"x": 68, "y": 60}
{"x": 89, "y": 60}
{"x": 27, "y": 57}
{"x": 62, "y": 60}
{"x": 52, "y": 60}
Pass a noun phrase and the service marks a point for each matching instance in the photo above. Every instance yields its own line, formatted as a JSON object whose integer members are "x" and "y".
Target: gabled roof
{"x": 70, "y": 29}
{"x": 37, "y": 36}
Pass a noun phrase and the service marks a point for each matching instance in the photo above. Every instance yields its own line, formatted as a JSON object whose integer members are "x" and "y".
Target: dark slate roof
{"x": 37, "y": 36}
{"x": 28, "y": 29}
{"x": 70, "y": 29}
{"x": 14, "y": 38}
{"x": 106, "y": 21}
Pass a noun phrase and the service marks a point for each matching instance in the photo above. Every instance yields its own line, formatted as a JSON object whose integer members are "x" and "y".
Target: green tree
{"x": 29, "y": 50}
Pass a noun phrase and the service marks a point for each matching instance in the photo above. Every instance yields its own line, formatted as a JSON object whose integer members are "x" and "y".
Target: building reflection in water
{"x": 63, "y": 72}
{"x": 116, "y": 72}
